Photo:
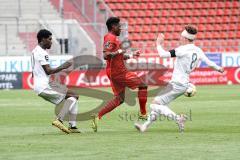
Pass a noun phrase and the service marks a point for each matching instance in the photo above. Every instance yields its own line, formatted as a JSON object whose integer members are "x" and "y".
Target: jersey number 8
{"x": 194, "y": 61}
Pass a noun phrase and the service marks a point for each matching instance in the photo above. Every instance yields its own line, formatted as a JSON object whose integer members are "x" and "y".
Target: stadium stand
{"x": 19, "y": 23}
{"x": 83, "y": 12}
{"x": 218, "y": 21}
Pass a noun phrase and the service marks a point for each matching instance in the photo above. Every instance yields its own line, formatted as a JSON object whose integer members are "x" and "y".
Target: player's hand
{"x": 66, "y": 65}
{"x": 136, "y": 54}
{"x": 160, "y": 39}
{"x": 221, "y": 70}
{"x": 121, "y": 51}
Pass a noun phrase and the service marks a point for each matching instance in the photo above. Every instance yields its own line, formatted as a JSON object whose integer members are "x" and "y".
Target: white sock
{"x": 157, "y": 110}
{"x": 163, "y": 110}
{"x": 151, "y": 118}
{"x": 73, "y": 110}
{"x": 65, "y": 109}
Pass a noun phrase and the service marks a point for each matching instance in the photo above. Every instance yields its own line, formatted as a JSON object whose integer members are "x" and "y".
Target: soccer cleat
{"x": 180, "y": 122}
{"x": 140, "y": 127}
{"x": 143, "y": 117}
{"x": 74, "y": 130}
{"x": 60, "y": 125}
{"x": 95, "y": 123}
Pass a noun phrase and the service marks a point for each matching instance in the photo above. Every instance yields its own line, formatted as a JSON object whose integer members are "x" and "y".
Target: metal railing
{"x": 21, "y": 39}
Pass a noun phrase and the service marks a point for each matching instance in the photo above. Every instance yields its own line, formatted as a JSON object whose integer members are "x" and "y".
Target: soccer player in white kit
{"x": 53, "y": 92}
{"x": 188, "y": 57}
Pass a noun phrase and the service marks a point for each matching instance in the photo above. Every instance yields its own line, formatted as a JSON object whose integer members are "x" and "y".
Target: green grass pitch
{"x": 213, "y": 134}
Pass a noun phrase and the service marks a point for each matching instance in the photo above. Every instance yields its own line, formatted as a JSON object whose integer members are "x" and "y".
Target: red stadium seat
{"x": 175, "y": 6}
{"x": 221, "y": 5}
{"x": 163, "y": 20}
{"x": 200, "y": 35}
{"x": 225, "y": 19}
{"x": 202, "y": 27}
{"x": 205, "y": 5}
{"x": 166, "y": 6}
{"x": 143, "y": 6}
{"x": 223, "y": 35}
{"x": 220, "y": 12}
{"x": 232, "y": 34}
{"x": 213, "y": 5}
{"x": 135, "y": 6}
{"x": 234, "y": 19}
{"x": 154, "y": 28}
{"x": 124, "y": 14}
{"x": 181, "y": 5}
{"x": 228, "y": 4}
{"x": 156, "y": 13}
{"x": 179, "y": 20}
{"x": 164, "y": 13}
{"x": 119, "y": 6}
{"x": 146, "y": 28}
{"x": 189, "y": 5}
{"x": 151, "y": 6}
{"x": 112, "y": 6}
{"x": 149, "y": 13}
{"x": 236, "y": 4}
{"x": 128, "y": 6}
{"x": 235, "y": 11}
{"x": 150, "y": 21}
{"x": 171, "y": 20}
{"x": 225, "y": 27}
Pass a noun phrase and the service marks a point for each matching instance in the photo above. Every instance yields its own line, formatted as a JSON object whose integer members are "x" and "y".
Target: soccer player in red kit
{"x": 118, "y": 74}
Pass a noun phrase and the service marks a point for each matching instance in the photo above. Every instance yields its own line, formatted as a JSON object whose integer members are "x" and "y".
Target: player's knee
{"x": 153, "y": 116}
{"x": 72, "y": 95}
{"x": 76, "y": 96}
{"x": 157, "y": 101}
{"x": 120, "y": 99}
{"x": 143, "y": 86}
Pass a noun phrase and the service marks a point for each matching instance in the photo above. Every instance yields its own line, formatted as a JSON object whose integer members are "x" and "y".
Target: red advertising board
{"x": 202, "y": 76}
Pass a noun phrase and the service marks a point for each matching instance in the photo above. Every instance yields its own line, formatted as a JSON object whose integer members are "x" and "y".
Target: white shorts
{"x": 170, "y": 92}
{"x": 55, "y": 94}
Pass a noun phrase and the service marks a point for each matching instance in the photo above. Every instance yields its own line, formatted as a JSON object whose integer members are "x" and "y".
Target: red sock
{"x": 142, "y": 97}
{"x": 109, "y": 107}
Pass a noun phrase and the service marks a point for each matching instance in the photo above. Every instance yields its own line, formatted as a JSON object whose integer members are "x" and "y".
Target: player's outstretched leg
{"x": 59, "y": 124}
{"x": 142, "y": 97}
{"x": 112, "y": 104}
{"x": 157, "y": 110}
{"x": 95, "y": 122}
{"x": 73, "y": 110}
{"x": 180, "y": 120}
{"x": 70, "y": 106}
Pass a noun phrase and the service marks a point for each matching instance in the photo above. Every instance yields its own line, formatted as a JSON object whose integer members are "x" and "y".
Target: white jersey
{"x": 187, "y": 59}
{"x": 41, "y": 79}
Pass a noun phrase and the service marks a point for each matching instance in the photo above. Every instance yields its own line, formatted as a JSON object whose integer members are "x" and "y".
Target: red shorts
{"x": 123, "y": 80}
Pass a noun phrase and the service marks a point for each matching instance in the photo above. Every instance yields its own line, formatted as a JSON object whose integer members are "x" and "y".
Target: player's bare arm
{"x": 50, "y": 70}
{"x": 108, "y": 54}
{"x": 211, "y": 64}
{"x": 135, "y": 54}
{"x": 163, "y": 53}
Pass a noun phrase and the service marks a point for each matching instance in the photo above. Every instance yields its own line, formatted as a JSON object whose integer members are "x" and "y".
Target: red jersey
{"x": 115, "y": 65}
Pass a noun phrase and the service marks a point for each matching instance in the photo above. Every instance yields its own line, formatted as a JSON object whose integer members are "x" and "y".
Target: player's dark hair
{"x": 191, "y": 29}
{"x": 112, "y": 21}
{"x": 43, "y": 33}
